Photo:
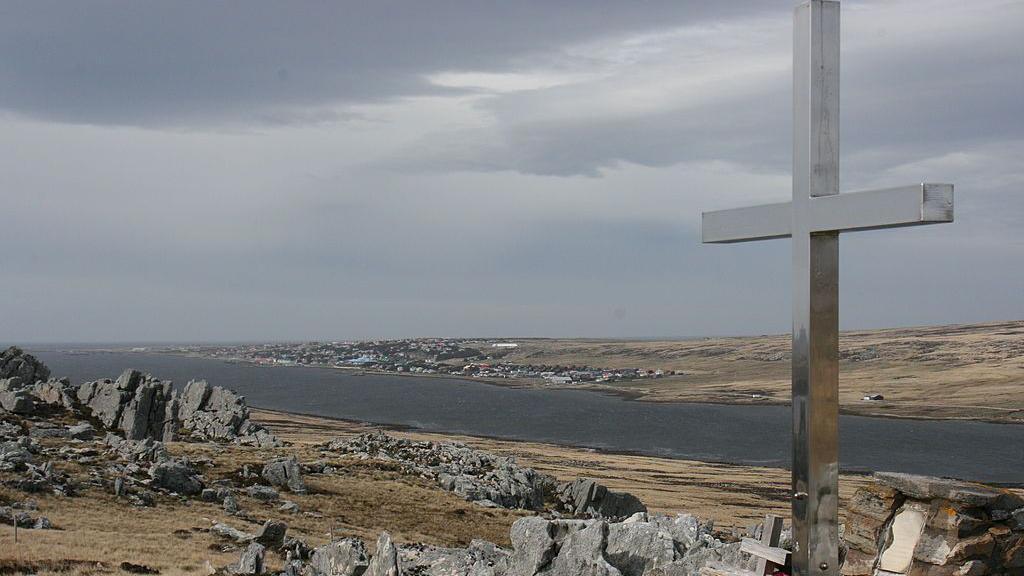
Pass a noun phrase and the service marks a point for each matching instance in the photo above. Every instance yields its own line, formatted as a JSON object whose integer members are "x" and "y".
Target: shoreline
{"x": 610, "y": 452}
{"x": 709, "y": 398}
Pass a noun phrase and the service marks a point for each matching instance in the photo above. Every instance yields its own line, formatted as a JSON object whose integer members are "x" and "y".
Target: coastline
{"x": 874, "y": 409}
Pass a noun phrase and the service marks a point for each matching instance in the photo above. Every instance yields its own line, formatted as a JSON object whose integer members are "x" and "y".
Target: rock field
{"x": 114, "y": 432}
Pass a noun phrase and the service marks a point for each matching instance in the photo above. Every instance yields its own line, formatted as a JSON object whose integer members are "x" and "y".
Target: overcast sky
{"x": 200, "y": 171}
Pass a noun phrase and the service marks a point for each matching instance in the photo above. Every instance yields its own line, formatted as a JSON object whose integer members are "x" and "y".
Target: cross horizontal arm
{"x": 889, "y": 208}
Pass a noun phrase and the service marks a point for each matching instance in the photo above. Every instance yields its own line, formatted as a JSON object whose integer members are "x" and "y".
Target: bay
{"x": 755, "y": 435}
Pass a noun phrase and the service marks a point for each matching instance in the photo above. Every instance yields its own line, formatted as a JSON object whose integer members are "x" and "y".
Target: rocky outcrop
{"x": 488, "y": 479}
{"x": 137, "y": 405}
{"x": 140, "y": 406}
{"x": 475, "y": 475}
{"x": 907, "y": 524}
{"x": 15, "y": 363}
{"x": 640, "y": 546}
{"x": 585, "y": 497}
{"x": 215, "y": 413}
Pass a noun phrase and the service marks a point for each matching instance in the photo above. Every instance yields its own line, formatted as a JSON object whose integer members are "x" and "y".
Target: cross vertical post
{"x": 815, "y": 291}
{"x": 814, "y": 219}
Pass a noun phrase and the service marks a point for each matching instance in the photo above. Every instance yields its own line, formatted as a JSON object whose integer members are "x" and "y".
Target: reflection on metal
{"x": 814, "y": 219}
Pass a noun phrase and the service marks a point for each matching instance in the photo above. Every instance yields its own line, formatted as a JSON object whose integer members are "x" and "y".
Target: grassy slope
{"x": 970, "y": 371}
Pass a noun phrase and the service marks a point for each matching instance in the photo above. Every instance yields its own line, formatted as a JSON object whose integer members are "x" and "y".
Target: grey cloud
{"x": 198, "y": 63}
{"x": 923, "y": 99}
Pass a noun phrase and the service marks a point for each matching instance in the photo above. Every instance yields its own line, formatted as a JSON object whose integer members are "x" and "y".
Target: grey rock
{"x": 435, "y": 561}
{"x": 582, "y": 554}
{"x": 176, "y": 476}
{"x": 289, "y": 506}
{"x": 82, "y": 431}
{"x": 55, "y": 392}
{"x": 474, "y": 475}
{"x": 533, "y": 546}
{"x": 637, "y": 547}
{"x": 106, "y": 399}
{"x": 143, "y": 416}
{"x": 385, "y": 558}
{"x": 47, "y": 430}
{"x": 17, "y": 401}
{"x": 15, "y": 363}
{"x": 1017, "y": 519}
{"x": 264, "y": 493}
{"x": 209, "y": 495}
{"x": 10, "y": 431}
{"x": 231, "y": 533}
{"x": 230, "y": 504}
{"x": 345, "y": 557}
{"x": 42, "y": 523}
{"x": 586, "y": 497}
{"x": 967, "y": 494}
{"x": 17, "y": 453}
{"x": 140, "y": 406}
{"x": 252, "y": 560}
{"x": 285, "y": 472}
{"x": 272, "y": 533}
{"x": 147, "y": 450}
{"x": 686, "y": 530}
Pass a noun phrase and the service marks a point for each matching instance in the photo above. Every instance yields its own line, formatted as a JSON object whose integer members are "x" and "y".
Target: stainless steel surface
{"x": 848, "y": 212}
{"x": 815, "y": 289}
{"x": 814, "y": 219}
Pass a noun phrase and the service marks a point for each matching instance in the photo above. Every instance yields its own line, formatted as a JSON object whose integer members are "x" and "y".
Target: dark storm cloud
{"x": 190, "y": 63}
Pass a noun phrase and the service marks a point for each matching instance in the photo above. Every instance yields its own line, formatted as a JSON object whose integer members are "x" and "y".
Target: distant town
{"x": 445, "y": 356}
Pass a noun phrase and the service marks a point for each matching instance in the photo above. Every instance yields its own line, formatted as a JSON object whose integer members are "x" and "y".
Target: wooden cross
{"x": 814, "y": 219}
{"x": 767, "y": 551}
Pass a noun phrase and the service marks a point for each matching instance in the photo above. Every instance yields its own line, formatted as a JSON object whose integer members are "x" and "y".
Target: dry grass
{"x": 969, "y": 371}
{"x": 97, "y": 532}
{"x": 731, "y": 495}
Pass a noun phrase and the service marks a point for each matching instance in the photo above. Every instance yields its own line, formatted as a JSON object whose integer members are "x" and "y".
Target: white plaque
{"x": 905, "y": 534}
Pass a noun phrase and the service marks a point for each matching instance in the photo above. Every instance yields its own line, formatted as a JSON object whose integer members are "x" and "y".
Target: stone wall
{"x": 925, "y": 526}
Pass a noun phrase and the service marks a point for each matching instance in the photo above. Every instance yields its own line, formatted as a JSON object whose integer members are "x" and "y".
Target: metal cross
{"x": 814, "y": 219}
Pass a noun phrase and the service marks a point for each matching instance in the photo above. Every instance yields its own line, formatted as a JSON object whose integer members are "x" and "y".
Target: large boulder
{"x": 285, "y": 472}
{"x": 637, "y": 547}
{"x": 177, "y": 476}
{"x": 271, "y": 534}
{"x": 585, "y": 497}
{"x": 345, "y": 557}
{"x": 14, "y": 398}
{"x": 107, "y": 398}
{"x": 55, "y": 393}
{"x": 533, "y": 546}
{"x": 252, "y": 560}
